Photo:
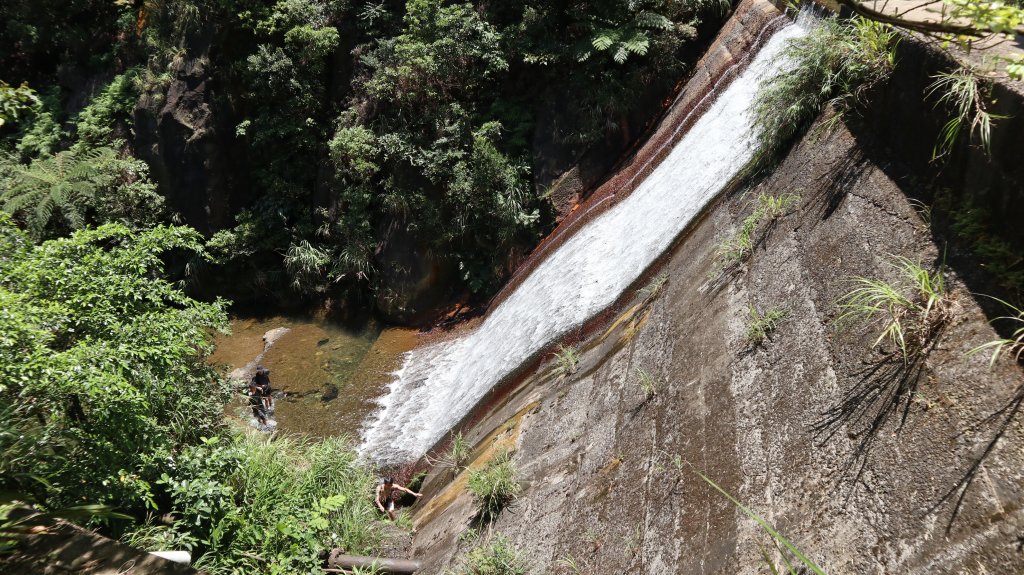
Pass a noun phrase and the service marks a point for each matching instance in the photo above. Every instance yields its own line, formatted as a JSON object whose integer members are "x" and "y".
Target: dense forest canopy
{"x": 326, "y": 132}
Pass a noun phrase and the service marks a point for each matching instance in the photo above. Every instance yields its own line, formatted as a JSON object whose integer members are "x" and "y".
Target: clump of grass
{"x": 648, "y": 385}
{"x": 763, "y": 324}
{"x": 1012, "y": 346}
{"x": 835, "y": 65}
{"x": 496, "y": 556}
{"x": 909, "y": 313}
{"x": 965, "y": 93}
{"x": 736, "y": 248}
{"x": 777, "y": 537}
{"x": 572, "y": 565}
{"x": 457, "y": 455}
{"x": 568, "y": 360}
{"x": 495, "y": 485}
{"x": 652, "y": 289}
{"x": 460, "y": 451}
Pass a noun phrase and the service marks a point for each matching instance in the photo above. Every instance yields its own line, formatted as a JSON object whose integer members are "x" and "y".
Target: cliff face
{"x": 868, "y": 464}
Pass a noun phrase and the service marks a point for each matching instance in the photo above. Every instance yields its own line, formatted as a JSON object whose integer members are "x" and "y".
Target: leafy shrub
{"x": 16, "y": 103}
{"x": 242, "y": 498}
{"x": 495, "y": 485}
{"x": 106, "y": 356}
{"x": 111, "y": 108}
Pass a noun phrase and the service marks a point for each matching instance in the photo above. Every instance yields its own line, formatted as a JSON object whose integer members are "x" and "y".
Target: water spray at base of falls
{"x": 439, "y": 384}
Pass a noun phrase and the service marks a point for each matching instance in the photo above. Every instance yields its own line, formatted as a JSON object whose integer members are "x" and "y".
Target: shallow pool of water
{"x": 325, "y": 375}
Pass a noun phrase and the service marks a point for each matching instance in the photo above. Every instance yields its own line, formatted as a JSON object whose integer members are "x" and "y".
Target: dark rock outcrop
{"x": 412, "y": 280}
{"x": 182, "y": 133}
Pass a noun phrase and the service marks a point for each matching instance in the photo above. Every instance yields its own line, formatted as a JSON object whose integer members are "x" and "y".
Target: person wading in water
{"x": 386, "y": 496}
{"x": 262, "y": 381}
{"x": 256, "y": 402}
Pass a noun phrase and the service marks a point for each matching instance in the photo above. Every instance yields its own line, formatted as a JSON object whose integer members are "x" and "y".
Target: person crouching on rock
{"x": 262, "y": 381}
{"x": 256, "y": 402}
{"x": 386, "y": 496}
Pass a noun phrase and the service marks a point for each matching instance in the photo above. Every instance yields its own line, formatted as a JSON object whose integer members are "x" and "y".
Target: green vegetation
{"x": 110, "y": 403}
{"x": 647, "y": 383}
{"x": 972, "y": 225}
{"x": 835, "y": 65}
{"x": 735, "y": 249}
{"x": 59, "y": 193}
{"x": 959, "y": 24}
{"x": 107, "y": 358}
{"x": 460, "y": 451}
{"x": 965, "y": 93}
{"x": 495, "y": 485}
{"x": 572, "y": 565}
{"x": 778, "y": 538}
{"x": 909, "y": 312}
{"x": 457, "y": 455}
{"x": 654, "y": 287}
{"x": 15, "y": 103}
{"x": 1013, "y": 346}
{"x": 762, "y": 325}
{"x": 496, "y": 556}
{"x": 567, "y": 360}
{"x": 246, "y": 504}
{"x": 346, "y": 123}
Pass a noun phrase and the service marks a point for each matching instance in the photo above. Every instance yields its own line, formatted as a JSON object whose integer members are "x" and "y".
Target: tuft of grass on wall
{"x": 835, "y": 65}
{"x": 966, "y": 95}
{"x": 495, "y": 486}
{"x": 1011, "y": 347}
{"x": 647, "y": 383}
{"x": 495, "y": 556}
{"x": 806, "y": 564}
{"x": 736, "y": 248}
{"x": 907, "y": 312}
{"x": 761, "y": 325}
{"x": 567, "y": 359}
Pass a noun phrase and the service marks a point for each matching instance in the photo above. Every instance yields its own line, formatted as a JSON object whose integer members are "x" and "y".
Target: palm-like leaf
{"x": 64, "y": 184}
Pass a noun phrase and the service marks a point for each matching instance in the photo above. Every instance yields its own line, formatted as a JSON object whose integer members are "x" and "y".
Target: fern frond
{"x": 637, "y": 44}
{"x": 652, "y": 21}
{"x": 605, "y": 39}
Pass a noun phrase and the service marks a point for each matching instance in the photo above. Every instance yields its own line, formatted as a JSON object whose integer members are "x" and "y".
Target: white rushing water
{"x": 439, "y": 384}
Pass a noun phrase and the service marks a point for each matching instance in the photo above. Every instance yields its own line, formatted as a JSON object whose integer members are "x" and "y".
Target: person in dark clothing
{"x": 262, "y": 381}
{"x": 256, "y": 402}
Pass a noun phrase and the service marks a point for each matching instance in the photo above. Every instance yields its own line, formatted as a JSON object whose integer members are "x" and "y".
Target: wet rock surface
{"x": 864, "y": 474}
{"x": 868, "y": 464}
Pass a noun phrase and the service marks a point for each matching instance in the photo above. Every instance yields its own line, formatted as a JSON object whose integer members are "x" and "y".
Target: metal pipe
{"x": 338, "y": 562}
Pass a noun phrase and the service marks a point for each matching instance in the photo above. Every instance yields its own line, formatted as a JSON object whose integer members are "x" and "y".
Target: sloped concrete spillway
{"x": 440, "y": 383}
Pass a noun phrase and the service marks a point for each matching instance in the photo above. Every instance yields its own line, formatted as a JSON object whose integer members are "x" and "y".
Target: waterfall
{"x": 439, "y": 384}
